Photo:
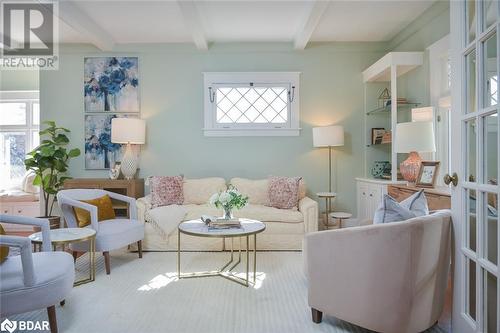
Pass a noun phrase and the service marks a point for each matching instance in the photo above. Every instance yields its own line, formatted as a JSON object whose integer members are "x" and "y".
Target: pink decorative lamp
{"x": 412, "y": 138}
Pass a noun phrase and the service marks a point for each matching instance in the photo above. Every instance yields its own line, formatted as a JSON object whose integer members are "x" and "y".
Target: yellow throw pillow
{"x": 105, "y": 210}
{"x": 4, "y": 250}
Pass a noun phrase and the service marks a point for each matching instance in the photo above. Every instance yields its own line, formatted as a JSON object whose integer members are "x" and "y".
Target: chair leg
{"x": 106, "y": 262}
{"x": 75, "y": 255}
{"x": 51, "y": 311}
{"x": 317, "y": 316}
{"x": 139, "y": 248}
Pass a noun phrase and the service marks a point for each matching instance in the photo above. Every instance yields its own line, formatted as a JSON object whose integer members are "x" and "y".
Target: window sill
{"x": 252, "y": 132}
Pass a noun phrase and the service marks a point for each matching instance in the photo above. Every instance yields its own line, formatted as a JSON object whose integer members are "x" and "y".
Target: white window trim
{"x": 211, "y": 128}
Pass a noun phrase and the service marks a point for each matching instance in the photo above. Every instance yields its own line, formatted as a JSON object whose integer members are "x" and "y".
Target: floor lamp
{"x": 328, "y": 136}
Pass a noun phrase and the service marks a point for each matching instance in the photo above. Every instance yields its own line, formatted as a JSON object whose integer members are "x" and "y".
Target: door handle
{"x": 453, "y": 179}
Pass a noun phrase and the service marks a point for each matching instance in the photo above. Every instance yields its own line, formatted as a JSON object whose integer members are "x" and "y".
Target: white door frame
{"x": 461, "y": 321}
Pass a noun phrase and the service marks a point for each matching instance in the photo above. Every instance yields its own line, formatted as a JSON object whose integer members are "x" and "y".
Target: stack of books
{"x": 220, "y": 223}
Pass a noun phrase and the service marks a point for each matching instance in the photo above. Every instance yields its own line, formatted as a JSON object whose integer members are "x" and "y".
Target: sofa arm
{"x": 309, "y": 209}
{"x": 143, "y": 205}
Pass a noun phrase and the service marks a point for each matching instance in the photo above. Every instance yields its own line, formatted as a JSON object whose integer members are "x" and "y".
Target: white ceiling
{"x": 105, "y": 23}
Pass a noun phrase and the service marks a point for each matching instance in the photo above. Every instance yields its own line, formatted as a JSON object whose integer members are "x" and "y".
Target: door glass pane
{"x": 490, "y": 71}
{"x": 490, "y": 213}
{"x": 491, "y": 149}
{"x": 36, "y": 113}
{"x": 490, "y": 12}
{"x": 470, "y": 60}
{"x": 471, "y": 150}
{"x": 12, "y": 113}
{"x": 471, "y": 20}
{"x": 490, "y": 290}
{"x": 12, "y": 154}
{"x": 471, "y": 287}
{"x": 471, "y": 202}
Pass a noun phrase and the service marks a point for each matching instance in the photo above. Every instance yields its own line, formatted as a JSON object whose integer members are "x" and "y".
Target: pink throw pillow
{"x": 283, "y": 192}
{"x": 166, "y": 190}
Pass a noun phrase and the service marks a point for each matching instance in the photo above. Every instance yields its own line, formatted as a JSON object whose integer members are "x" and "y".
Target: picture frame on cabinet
{"x": 427, "y": 174}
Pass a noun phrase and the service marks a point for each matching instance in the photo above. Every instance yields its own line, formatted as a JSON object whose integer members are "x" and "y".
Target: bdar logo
{"x": 7, "y": 325}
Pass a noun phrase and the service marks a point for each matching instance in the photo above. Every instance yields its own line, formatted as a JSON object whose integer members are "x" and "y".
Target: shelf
{"x": 402, "y": 61}
{"x": 378, "y": 144}
{"x": 387, "y": 109}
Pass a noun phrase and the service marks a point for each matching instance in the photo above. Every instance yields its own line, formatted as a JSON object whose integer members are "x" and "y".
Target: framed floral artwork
{"x": 100, "y": 152}
{"x": 111, "y": 84}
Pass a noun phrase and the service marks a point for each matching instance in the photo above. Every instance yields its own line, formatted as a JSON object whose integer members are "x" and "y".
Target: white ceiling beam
{"x": 192, "y": 20}
{"x": 310, "y": 23}
{"x": 73, "y": 16}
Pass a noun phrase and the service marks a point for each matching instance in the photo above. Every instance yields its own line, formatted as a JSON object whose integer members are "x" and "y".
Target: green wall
{"x": 172, "y": 103}
{"x": 18, "y": 80}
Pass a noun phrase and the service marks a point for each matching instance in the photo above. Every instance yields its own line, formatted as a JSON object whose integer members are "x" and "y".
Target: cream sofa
{"x": 386, "y": 277}
{"x": 285, "y": 228}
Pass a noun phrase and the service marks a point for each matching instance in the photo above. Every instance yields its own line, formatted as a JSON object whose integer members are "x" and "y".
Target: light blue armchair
{"x": 110, "y": 234}
{"x": 31, "y": 281}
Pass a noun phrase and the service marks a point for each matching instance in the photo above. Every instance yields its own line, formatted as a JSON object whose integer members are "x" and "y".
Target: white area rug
{"x": 144, "y": 295}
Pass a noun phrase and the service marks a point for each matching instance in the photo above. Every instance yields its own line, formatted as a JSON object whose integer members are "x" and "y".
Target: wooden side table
{"x": 328, "y": 196}
{"x": 133, "y": 188}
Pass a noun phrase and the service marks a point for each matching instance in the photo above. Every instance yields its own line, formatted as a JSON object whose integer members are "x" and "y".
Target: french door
{"x": 475, "y": 145}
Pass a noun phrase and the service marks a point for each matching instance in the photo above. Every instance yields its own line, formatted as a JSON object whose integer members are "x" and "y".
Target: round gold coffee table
{"x": 199, "y": 229}
{"x": 65, "y": 236}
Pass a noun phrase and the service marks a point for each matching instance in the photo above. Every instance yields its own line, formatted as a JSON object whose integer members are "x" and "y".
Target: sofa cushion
{"x": 256, "y": 212}
{"x": 199, "y": 191}
{"x": 256, "y": 190}
{"x": 269, "y": 214}
{"x": 194, "y": 212}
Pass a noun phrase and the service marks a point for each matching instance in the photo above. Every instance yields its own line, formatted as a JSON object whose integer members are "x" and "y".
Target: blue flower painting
{"x": 100, "y": 152}
{"x": 111, "y": 84}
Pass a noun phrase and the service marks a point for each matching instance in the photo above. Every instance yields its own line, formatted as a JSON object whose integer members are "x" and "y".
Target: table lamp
{"x": 328, "y": 136}
{"x": 413, "y": 137}
{"x": 128, "y": 131}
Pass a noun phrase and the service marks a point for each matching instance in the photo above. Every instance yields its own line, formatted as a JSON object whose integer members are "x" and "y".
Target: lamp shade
{"x": 128, "y": 130}
{"x": 415, "y": 136}
{"x": 328, "y": 136}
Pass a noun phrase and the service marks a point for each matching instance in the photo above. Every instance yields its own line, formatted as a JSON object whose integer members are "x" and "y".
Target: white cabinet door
{"x": 363, "y": 202}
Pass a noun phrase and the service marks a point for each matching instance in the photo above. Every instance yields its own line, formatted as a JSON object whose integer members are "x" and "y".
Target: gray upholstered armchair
{"x": 31, "y": 281}
{"x": 388, "y": 277}
{"x": 110, "y": 234}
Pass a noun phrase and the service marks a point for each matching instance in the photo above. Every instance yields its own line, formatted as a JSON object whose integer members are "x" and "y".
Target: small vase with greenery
{"x": 49, "y": 162}
{"x": 229, "y": 200}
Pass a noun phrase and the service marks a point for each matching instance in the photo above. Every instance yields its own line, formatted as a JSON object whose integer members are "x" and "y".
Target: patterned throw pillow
{"x": 283, "y": 192}
{"x": 166, "y": 190}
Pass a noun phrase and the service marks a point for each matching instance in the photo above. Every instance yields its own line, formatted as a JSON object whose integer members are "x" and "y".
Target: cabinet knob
{"x": 371, "y": 195}
{"x": 19, "y": 211}
{"x": 364, "y": 193}
{"x": 6, "y": 211}
{"x": 453, "y": 179}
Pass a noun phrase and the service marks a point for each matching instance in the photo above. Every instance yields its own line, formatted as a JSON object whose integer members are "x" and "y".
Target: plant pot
{"x": 54, "y": 222}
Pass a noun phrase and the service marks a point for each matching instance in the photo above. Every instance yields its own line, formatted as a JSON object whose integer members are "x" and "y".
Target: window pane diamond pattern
{"x": 242, "y": 105}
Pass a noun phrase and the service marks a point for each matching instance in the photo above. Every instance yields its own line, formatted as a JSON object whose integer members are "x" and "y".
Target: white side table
{"x": 339, "y": 216}
{"x": 328, "y": 196}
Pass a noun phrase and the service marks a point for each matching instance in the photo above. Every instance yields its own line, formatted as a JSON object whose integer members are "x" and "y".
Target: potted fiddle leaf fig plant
{"x": 49, "y": 162}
